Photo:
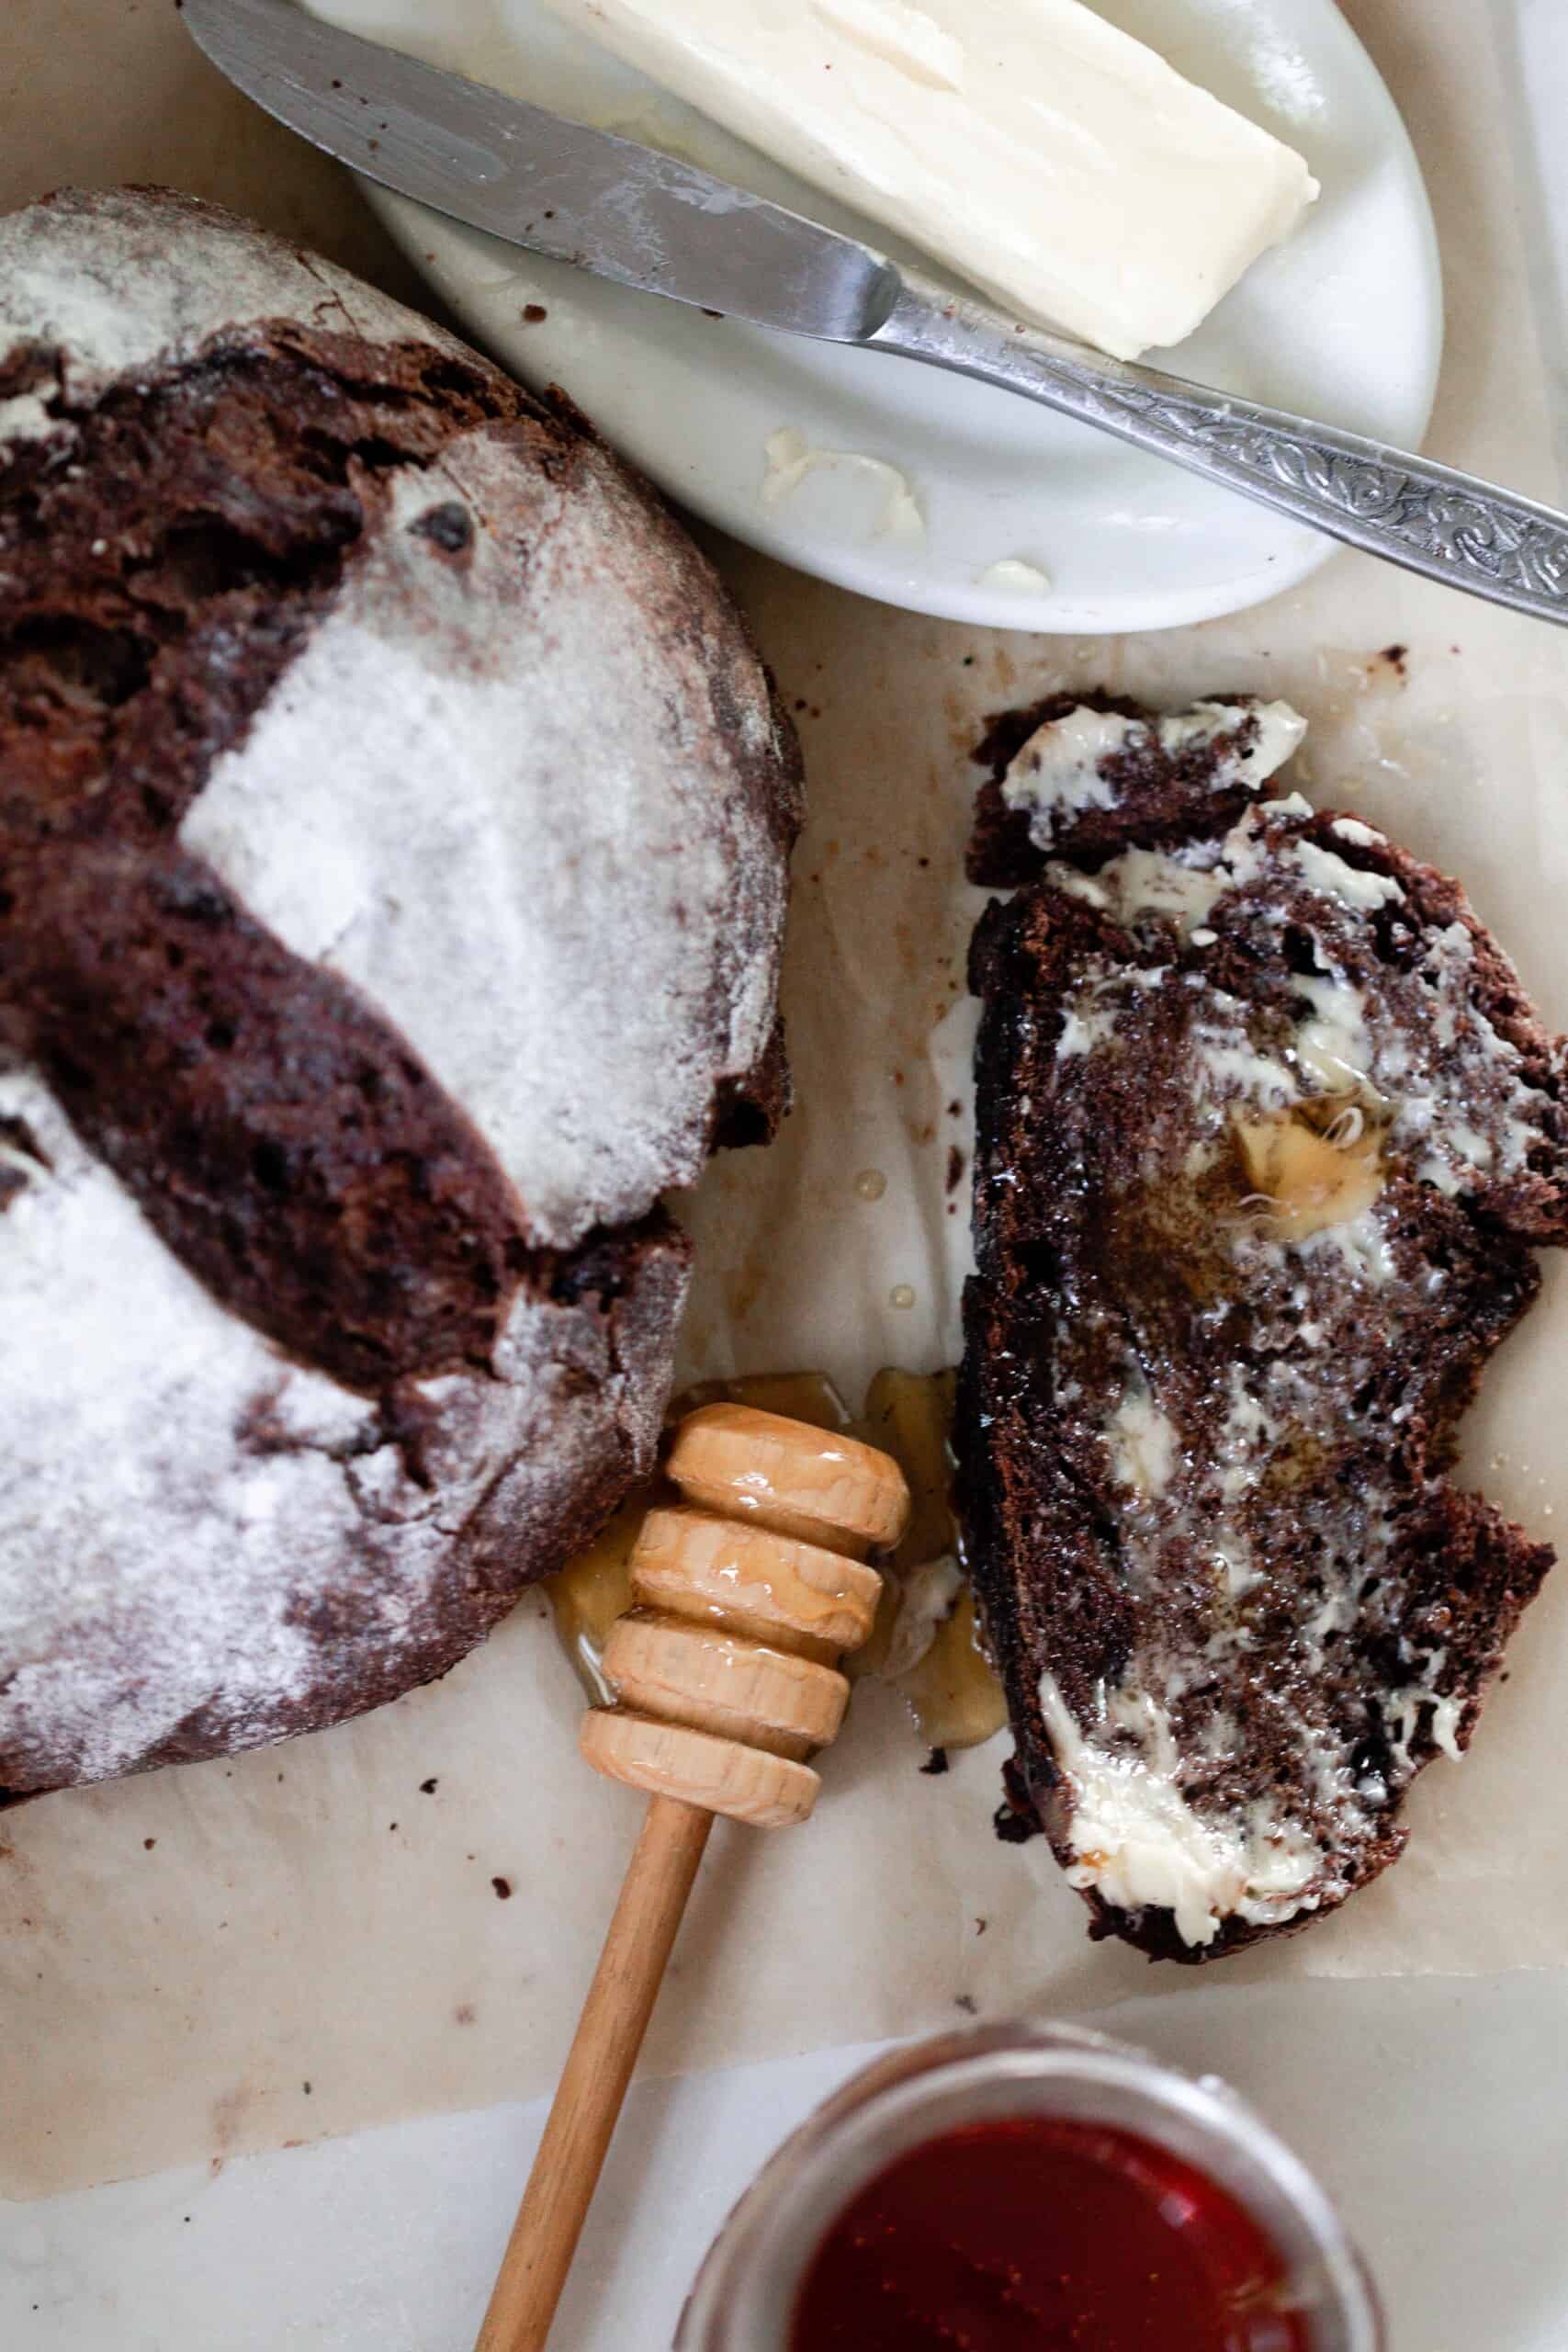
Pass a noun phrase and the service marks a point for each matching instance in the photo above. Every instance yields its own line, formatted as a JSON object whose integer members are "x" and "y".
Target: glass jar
{"x": 745, "y": 2292}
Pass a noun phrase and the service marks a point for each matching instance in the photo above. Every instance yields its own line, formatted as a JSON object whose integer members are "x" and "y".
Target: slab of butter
{"x": 1046, "y": 156}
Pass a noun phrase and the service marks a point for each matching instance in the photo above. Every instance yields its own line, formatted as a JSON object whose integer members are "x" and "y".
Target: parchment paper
{"x": 309, "y": 1940}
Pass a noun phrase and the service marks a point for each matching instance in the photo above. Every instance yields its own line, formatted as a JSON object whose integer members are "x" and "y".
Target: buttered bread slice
{"x": 1267, "y": 1129}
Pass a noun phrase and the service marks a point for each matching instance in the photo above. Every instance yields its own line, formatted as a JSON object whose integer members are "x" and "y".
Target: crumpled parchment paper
{"x": 401, "y": 1914}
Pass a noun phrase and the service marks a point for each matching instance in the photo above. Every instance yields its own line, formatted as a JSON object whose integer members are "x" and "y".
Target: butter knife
{"x": 648, "y": 220}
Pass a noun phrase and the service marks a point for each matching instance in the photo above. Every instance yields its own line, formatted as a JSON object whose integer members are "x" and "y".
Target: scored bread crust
{"x": 394, "y": 823}
{"x": 1236, "y": 1599}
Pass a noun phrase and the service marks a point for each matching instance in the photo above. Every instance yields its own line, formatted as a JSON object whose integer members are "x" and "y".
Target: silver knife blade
{"x": 560, "y": 188}
{"x": 624, "y": 212}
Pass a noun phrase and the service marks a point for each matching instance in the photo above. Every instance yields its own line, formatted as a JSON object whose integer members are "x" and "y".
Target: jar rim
{"x": 744, "y": 2293}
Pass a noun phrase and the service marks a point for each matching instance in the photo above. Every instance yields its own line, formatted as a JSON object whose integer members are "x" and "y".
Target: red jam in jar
{"x": 1045, "y": 2235}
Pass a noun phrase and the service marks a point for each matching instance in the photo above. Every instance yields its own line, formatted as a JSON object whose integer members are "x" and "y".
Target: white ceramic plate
{"x": 1344, "y": 323}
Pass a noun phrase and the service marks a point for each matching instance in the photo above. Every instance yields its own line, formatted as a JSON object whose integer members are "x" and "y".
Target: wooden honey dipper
{"x": 743, "y": 1595}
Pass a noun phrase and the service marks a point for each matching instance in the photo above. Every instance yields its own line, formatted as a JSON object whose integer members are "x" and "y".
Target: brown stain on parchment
{"x": 229, "y": 2110}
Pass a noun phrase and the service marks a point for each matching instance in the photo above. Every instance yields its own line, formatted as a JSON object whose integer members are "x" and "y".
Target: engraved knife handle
{"x": 1448, "y": 526}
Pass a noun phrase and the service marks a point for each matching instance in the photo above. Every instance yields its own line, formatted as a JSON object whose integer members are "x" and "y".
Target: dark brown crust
{"x": 277, "y": 1131}
{"x": 281, "y": 1134}
{"x": 1040, "y": 1521}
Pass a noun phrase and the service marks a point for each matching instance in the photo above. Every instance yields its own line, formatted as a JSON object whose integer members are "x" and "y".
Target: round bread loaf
{"x": 394, "y": 819}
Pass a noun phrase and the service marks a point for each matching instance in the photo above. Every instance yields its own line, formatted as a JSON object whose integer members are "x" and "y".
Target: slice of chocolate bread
{"x": 1266, "y": 1130}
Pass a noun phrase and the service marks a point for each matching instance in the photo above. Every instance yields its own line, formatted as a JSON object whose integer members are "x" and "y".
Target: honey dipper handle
{"x": 598, "y": 2069}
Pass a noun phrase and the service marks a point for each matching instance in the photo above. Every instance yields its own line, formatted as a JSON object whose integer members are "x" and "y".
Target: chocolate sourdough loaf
{"x": 393, "y": 827}
{"x": 1267, "y": 1130}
